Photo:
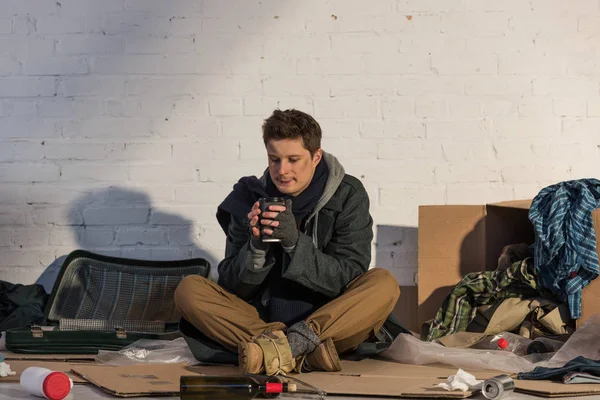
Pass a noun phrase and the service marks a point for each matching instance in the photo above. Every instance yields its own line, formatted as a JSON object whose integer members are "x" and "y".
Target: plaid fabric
{"x": 481, "y": 288}
{"x": 565, "y": 246}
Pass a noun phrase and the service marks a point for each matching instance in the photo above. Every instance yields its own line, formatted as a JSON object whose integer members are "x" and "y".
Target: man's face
{"x": 290, "y": 165}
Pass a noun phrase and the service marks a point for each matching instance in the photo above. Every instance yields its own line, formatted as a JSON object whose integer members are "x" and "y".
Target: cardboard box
{"x": 455, "y": 240}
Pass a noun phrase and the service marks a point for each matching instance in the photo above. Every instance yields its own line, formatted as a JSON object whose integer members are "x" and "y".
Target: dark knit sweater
{"x": 291, "y": 302}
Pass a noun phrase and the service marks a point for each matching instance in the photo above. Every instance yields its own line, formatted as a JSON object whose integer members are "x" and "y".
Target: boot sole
{"x": 244, "y": 361}
{"x": 331, "y": 350}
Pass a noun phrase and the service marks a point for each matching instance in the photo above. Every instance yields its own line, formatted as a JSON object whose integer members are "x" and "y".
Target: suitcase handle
{"x": 38, "y": 332}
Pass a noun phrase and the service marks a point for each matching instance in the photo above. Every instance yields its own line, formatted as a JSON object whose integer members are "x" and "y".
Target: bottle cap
{"x": 502, "y": 343}
{"x": 56, "y": 386}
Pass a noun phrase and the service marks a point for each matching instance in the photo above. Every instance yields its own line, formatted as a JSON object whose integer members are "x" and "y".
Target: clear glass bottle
{"x": 199, "y": 387}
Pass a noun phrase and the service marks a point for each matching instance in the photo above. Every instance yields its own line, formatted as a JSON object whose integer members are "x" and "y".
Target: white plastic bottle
{"x": 46, "y": 383}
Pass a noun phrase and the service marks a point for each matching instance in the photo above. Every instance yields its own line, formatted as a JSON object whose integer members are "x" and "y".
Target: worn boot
{"x": 270, "y": 354}
{"x": 323, "y": 358}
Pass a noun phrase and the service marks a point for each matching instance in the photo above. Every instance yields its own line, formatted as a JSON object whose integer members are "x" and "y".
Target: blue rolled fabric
{"x": 565, "y": 254}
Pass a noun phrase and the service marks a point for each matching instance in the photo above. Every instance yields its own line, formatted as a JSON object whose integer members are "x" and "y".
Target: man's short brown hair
{"x": 293, "y": 124}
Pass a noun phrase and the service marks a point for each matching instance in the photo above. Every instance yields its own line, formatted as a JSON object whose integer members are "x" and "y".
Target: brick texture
{"x": 124, "y": 123}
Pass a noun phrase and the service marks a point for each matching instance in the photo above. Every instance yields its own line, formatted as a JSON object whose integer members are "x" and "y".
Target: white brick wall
{"x": 123, "y": 123}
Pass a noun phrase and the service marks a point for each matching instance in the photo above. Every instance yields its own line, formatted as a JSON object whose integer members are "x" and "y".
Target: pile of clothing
{"x": 21, "y": 305}
{"x": 536, "y": 289}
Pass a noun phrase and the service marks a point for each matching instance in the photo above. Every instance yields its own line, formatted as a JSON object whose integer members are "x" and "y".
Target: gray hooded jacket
{"x": 333, "y": 248}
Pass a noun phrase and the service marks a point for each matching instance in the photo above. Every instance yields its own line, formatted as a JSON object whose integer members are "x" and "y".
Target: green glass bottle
{"x": 201, "y": 387}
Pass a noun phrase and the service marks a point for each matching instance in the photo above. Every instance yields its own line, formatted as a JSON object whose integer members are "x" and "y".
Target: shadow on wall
{"x": 123, "y": 222}
{"x": 396, "y": 251}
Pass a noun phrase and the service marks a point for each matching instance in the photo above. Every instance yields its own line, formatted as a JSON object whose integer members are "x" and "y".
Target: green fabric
{"x": 21, "y": 305}
{"x": 481, "y": 288}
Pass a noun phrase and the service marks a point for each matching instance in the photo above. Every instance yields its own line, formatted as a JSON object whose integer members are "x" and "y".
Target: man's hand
{"x": 253, "y": 217}
{"x": 283, "y": 226}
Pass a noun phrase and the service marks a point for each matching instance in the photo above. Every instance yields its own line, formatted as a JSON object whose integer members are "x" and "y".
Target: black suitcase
{"x": 106, "y": 303}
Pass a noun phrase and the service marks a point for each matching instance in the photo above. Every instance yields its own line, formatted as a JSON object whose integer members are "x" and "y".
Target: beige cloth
{"x": 349, "y": 319}
{"x": 531, "y": 317}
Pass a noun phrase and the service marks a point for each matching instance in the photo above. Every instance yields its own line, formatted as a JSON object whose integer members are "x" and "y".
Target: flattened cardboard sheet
{"x": 556, "y": 389}
{"x": 20, "y": 365}
{"x": 381, "y": 386}
{"x": 144, "y": 379}
{"x": 9, "y": 355}
{"x": 368, "y": 377}
{"x": 372, "y": 377}
{"x": 382, "y": 368}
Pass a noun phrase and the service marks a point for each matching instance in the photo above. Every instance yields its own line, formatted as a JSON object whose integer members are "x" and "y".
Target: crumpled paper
{"x": 5, "y": 370}
{"x": 461, "y": 381}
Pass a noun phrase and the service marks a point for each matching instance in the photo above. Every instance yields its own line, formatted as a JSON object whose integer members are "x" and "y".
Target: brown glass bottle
{"x": 230, "y": 387}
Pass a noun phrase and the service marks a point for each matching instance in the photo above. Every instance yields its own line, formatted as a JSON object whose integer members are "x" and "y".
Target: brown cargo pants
{"x": 349, "y": 319}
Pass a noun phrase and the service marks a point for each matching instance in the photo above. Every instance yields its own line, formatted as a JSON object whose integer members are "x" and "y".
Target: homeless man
{"x": 294, "y": 305}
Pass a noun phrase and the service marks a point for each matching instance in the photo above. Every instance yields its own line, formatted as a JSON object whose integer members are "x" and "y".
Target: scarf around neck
{"x": 305, "y": 202}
